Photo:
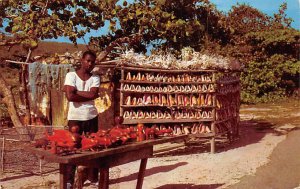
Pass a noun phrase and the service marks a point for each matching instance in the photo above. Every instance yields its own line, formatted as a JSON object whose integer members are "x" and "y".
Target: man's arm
{"x": 92, "y": 94}
{"x": 80, "y": 96}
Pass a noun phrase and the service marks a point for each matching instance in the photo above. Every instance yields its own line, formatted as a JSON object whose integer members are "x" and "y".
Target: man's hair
{"x": 89, "y": 53}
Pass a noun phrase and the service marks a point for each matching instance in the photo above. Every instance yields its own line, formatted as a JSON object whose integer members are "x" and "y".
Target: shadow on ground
{"x": 251, "y": 132}
{"x": 151, "y": 171}
{"x": 189, "y": 186}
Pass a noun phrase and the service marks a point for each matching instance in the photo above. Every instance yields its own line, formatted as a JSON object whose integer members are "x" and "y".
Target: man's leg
{"x": 91, "y": 126}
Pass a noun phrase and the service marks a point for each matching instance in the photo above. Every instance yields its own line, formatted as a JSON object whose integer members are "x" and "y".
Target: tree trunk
{"x": 8, "y": 99}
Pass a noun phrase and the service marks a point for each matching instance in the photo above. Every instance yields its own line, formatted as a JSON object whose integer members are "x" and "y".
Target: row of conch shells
{"x": 170, "y": 100}
{"x": 169, "y": 88}
{"x": 184, "y": 78}
{"x": 146, "y": 115}
{"x": 199, "y": 128}
{"x": 194, "y": 129}
{"x": 166, "y": 60}
{"x": 166, "y": 115}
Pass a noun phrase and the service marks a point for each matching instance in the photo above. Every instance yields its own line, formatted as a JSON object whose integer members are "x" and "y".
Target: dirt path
{"x": 283, "y": 170}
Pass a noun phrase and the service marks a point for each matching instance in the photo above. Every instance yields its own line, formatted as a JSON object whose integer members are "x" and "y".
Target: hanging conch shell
{"x": 138, "y": 77}
{"x": 140, "y": 101}
{"x": 211, "y": 88}
{"x": 127, "y": 115}
{"x": 194, "y": 88}
{"x": 128, "y": 100}
{"x": 194, "y": 101}
{"x": 126, "y": 87}
{"x": 198, "y": 115}
{"x": 148, "y": 115}
{"x": 143, "y": 77}
{"x": 138, "y": 88}
{"x": 171, "y": 100}
{"x": 128, "y": 77}
{"x": 204, "y": 88}
{"x": 186, "y": 101}
{"x": 132, "y": 88}
{"x": 155, "y": 99}
{"x": 170, "y": 88}
{"x": 153, "y": 115}
{"x": 164, "y": 100}
{"x": 134, "y": 101}
{"x": 168, "y": 115}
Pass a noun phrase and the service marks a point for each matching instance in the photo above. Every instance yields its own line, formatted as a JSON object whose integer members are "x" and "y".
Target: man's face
{"x": 88, "y": 62}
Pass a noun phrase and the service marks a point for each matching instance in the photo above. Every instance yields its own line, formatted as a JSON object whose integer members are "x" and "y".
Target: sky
{"x": 266, "y": 6}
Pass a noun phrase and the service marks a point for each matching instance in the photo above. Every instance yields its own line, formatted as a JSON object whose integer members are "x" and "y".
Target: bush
{"x": 270, "y": 80}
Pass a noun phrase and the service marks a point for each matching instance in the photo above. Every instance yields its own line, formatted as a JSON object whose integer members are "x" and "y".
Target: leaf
{"x": 138, "y": 12}
{"x": 175, "y": 39}
{"x": 33, "y": 44}
{"x": 15, "y": 29}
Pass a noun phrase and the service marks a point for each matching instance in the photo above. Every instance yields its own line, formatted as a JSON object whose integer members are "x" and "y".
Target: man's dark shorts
{"x": 88, "y": 126}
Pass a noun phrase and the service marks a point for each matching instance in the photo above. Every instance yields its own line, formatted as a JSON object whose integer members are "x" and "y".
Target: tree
{"x": 27, "y": 21}
{"x": 164, "y": 24}
{"x": 268, "y": 47}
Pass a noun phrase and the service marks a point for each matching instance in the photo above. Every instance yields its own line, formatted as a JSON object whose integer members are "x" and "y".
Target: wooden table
{"x": 106, "y": 159}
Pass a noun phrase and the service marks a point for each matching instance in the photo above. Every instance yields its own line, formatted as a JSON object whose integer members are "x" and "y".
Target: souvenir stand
{"x": 201, "y": 103}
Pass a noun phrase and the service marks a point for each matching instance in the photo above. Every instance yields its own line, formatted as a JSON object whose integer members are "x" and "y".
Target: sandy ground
{"x": 265, "y": 156}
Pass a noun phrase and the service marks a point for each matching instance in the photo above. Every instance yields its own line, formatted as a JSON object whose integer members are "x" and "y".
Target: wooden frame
{"x": 218, "y": 84}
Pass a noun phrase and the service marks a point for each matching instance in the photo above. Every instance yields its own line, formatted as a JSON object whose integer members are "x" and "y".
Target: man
{"x": 81, "y": 89}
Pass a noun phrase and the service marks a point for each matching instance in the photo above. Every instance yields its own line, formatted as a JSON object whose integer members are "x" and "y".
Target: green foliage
{"x": 30, "y": 21}
{"x": 166, "y": 24}
{"x": 266, "y": 45}
{"x": 269, "y": 80}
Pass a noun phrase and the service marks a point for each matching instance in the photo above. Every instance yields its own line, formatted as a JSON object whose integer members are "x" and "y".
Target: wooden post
{"x": 40, "y": 163}
{"x": 62, "y": 176}
{"x": 2, "y": 155}
{"x": 24, "y": 82}
{"x": 104, "y": 178}
{"x": 121, "y": 93}
{"x": 214, "y": 112}
{"x": 141, "y": 174}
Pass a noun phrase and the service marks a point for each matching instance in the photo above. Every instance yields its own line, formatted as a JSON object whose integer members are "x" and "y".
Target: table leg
{"x": 62, "y": 176}
{"x": 104, "y": 178}
{"x": 141, "y": 174}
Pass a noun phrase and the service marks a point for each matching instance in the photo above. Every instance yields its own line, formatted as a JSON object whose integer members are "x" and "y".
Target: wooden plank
{"x": 174, "y": 106}
{"x": 120, "y": 158}
{"x": 87, "y": 156}
{"x": 167, "y": 147}
{"x": 201, "y": 135}
{"x": 141, "y": 174}
{"x": 153, "y": 92}
{"x": 166, "y": 71}
{"x": 165, "y": 83}
{"x": 136, "y": 121}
